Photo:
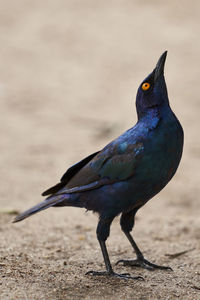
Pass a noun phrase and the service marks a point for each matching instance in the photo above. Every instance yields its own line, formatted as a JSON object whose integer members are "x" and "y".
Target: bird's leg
{"x": 103, "y": 230}
{"x": 127, "y": 224}
{"x": 140, "y": 261}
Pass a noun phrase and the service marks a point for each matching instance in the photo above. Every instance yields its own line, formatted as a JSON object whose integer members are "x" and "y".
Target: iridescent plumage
{"x": 128, "y": 172}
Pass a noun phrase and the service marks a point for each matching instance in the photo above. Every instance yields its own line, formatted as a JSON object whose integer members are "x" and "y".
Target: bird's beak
{"x": 159, "y": 69}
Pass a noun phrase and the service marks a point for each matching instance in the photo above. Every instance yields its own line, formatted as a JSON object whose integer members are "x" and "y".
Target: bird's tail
{"x": 48, "y": 202}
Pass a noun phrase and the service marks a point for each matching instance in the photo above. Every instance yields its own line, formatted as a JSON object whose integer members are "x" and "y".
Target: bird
{"x": 126, "y": 173}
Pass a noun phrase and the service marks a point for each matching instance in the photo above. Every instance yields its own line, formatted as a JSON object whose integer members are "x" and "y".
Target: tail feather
{"x": 48, "y": 202}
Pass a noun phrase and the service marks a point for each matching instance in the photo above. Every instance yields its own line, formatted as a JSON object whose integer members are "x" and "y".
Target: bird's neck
{"x": 150, "y": 118}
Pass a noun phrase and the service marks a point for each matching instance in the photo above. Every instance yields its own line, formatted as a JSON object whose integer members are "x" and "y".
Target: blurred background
{"x": 69, "y": 72}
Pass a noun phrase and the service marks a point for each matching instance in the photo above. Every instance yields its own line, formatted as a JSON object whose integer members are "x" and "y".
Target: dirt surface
{"x": 69, "y": 71}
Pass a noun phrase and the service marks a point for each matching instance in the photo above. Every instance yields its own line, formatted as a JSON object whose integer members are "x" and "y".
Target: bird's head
{"x": 152, "y": 92}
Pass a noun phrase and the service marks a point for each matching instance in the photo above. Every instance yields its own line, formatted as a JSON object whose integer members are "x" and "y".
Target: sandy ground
{"x": 69, "y": 71}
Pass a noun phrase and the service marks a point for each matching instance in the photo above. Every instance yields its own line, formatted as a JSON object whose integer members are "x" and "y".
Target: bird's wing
{"x": 69, "y": 174}
{"x": 116, "y": 162}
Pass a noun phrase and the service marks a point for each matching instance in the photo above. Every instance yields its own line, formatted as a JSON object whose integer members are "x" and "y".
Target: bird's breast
{"x": 162, "y": 154}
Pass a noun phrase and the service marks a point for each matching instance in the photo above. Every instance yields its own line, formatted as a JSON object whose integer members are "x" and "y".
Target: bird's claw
{"x": 125, "y": 276}
{"x": 143, "y": 263}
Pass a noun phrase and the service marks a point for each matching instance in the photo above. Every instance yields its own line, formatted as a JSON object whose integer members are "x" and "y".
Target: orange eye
{"x": 145, "y": 86}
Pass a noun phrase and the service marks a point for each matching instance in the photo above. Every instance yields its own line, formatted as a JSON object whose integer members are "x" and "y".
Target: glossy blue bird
{"x": 128, "y": 172}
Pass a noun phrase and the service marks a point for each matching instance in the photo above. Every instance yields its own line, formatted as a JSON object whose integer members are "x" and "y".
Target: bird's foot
{"x": 143, "y": 263}
{"x": 125, "y": 276}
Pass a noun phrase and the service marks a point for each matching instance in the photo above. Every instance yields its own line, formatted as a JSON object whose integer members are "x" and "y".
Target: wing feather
{"x": 68, "y": 175}
{"x": 107, "y": 167}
